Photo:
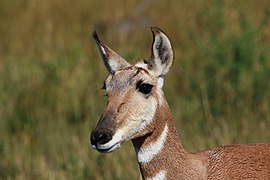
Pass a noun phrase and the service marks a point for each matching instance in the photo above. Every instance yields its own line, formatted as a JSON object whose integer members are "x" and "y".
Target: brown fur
{"x": 226, "y": 162}
{"x": 143, "y": 117}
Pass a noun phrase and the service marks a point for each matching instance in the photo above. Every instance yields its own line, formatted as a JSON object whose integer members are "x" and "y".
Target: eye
{"x": 144, "y": 87}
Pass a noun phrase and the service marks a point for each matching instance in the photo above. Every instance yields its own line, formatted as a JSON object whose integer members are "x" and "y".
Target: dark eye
{"x": 144, "y": 87}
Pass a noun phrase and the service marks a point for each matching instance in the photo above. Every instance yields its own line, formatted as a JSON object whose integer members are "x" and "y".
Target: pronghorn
{"x": 138, "y": 111}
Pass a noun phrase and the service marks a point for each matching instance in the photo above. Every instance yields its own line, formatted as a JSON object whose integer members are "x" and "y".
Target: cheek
{"x": 148, "y": 111}
{"x": 144, "y": 108}
{"x": 137, "y": 121}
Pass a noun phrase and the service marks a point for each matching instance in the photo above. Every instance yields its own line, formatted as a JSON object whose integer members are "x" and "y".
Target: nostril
{"x": 98, "y": 137}
{"x": 103, "y": 138}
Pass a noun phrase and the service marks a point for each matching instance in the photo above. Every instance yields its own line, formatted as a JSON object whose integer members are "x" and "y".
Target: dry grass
{"x": 51, "y": 74}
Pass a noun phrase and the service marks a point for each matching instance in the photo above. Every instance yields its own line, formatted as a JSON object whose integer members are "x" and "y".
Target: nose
{"x": 100, "y": 137}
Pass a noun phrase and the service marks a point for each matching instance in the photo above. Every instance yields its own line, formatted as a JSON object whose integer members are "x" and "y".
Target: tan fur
{"x": 226, "y": 162}
{"x": 144, "y": 118}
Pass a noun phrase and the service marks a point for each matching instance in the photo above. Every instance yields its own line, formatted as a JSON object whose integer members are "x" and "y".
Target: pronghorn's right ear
{"x": 111, "y": 59}
{"x": 162, "y": 53}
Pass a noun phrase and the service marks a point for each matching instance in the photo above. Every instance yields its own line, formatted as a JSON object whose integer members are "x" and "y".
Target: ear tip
{"x": 156, "y": 30}
{"x": 95, "y": 36}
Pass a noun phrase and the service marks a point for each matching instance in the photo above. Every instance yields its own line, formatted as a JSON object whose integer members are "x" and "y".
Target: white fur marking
{"x": 103, "y": 50}
{"x": 161, "y": 175}
{"x": 145, "y": 155}
{"x": 113, "y": 144}
{"x": 160, "y": 82}
{"x": 141, "y": 65}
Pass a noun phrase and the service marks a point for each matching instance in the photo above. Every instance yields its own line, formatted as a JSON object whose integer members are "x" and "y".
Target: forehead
{"x": 124, "y": 77}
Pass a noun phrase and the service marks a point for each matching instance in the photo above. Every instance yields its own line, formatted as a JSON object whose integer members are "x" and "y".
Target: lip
{"x": 107, "y": 150}
{"x": 112, "y": 145}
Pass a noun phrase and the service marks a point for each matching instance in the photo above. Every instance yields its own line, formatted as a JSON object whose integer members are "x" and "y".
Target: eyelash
{"x": 144, "y": 88}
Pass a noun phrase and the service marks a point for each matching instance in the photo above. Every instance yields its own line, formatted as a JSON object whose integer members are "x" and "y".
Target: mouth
{"x": 110, "y": 146}
{"x": 104, "y": 148}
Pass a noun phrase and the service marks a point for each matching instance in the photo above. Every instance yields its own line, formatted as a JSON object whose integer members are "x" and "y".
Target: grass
{"x": 51, "y": 75}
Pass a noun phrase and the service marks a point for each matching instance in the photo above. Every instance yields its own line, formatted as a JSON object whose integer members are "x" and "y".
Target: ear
{"x": 162, "y": 53}
{"x": 111, "y": 59}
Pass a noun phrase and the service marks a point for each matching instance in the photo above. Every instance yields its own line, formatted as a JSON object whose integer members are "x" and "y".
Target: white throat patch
{"x": 161, "y": 175}
{"x": 146, "y": 154}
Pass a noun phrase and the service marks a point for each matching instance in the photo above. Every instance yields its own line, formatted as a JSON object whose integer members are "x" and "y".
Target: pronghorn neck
{"x": 164, "y": 130}
{"x": 160, "y": 153}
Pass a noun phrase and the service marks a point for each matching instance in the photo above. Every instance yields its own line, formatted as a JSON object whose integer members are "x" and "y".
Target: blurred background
{"x": 51, "y": 77}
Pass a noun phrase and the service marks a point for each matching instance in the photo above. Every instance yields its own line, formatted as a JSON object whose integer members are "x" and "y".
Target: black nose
{"x": 100, "y": 137}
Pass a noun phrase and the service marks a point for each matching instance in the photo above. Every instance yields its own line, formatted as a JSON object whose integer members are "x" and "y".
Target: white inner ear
{"x": 114, "y": 65}
{"x": 163, "y": 54}
{"x": 103, "y": 51}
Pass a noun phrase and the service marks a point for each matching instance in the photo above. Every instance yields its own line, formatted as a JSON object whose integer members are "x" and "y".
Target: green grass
{"x": 51, "y": 75}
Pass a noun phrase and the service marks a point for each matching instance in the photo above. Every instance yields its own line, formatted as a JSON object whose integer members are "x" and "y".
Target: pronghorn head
{"x": 134, "y": 93}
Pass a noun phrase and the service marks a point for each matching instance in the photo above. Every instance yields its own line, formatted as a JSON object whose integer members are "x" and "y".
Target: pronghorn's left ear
{"x": 162, "y": 53}
{"x": 111, "y": 59}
